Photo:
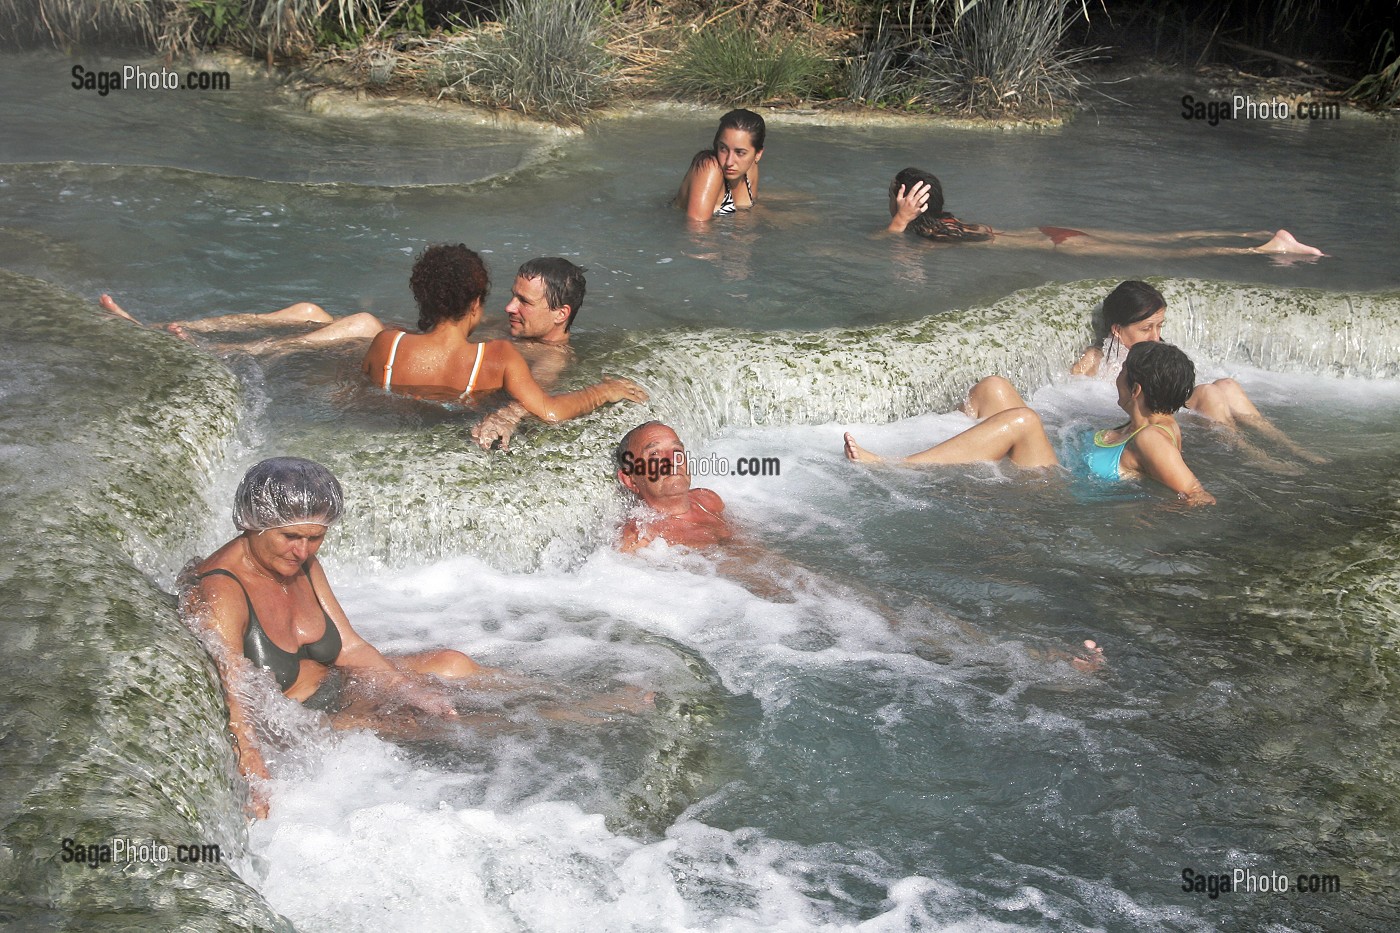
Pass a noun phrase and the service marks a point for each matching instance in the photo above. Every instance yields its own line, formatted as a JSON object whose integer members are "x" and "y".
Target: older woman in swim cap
{"x": 264, "y": 596}
{"x": 724, "y": 178}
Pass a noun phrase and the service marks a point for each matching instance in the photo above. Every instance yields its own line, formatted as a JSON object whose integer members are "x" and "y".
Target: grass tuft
{"x": 1381, "y": 88}
{"x": 734, "y": 64}
{"x": 1003, "y": 56}
{"x": 65, "y": 23}
{"x": 546, "y": 58}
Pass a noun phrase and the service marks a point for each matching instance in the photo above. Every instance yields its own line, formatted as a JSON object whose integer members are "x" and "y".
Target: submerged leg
{"x": 302, "y": 312}
{"x": 444, "y": 663}
{"x": 361, "y": 326}
{"x": 1225, "y": 401}
{"x": 109, "y": 304}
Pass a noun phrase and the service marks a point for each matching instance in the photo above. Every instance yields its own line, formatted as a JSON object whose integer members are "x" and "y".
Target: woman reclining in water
{"x": 916, "y": 206}
{"x": 1135, "y": 312}
{"x": 268, "y": 608}
{"x": 449, "y": 285}
{"x": 1154, "y": 383}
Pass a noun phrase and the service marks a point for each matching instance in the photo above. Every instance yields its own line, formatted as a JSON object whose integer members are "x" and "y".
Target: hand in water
{"x": 495, "y": 427}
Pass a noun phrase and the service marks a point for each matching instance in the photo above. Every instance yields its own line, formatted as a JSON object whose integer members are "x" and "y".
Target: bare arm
{"x": 499, "y": 426}
{"x": 705, "y": 184}
{"x": 219, "y": 603}
{"x": 360, "y": 655}
{"x": 1158, "y": 458}
{"x": 908, "y": 205}
{"x": 555, "y": 408}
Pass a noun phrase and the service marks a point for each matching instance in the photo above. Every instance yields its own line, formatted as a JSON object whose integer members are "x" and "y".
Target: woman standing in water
{"x": 916, "y": 206}
{"x": 1155, "y": 380}
{"x": 724, "y": 178}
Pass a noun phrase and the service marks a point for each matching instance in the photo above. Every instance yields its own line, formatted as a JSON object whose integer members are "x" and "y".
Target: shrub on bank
{"x": 1381, "y": 88}
{"x": 733, "y": 63}
{"x": 1002, "y": 56}
{"x": 546, "y": 58}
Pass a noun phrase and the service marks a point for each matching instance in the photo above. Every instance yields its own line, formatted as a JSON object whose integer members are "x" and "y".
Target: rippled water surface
{"x": 861, "y": 728}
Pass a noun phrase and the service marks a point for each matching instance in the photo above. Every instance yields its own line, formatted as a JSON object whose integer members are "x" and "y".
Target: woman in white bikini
{"x": 450, "y": 283}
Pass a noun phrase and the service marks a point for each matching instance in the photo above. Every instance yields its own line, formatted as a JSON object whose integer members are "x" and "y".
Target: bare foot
{"x": 1283, "y": 242}
{"x": 1091, "y": 660}
{"x": 859, "y": 454}
{"x": 109, "y": 304}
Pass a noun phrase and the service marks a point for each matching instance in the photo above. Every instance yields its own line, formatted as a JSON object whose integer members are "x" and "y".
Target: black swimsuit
{"x": 285, "y": 665}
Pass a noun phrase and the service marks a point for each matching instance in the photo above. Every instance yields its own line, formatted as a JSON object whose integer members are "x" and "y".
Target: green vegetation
{"x": 562, "y": 59}
{"x": 1381, "y": 88}
{"x": 546, "y": 57}
{"x": 999, "y": 56}
{"x": 734, "y": 64}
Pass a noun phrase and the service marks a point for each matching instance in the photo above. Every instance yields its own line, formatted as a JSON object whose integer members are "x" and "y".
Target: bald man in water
{"x": 651, "y": 464}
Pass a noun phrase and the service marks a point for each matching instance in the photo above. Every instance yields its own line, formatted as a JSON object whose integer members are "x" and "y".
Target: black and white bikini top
{"x": 727, "y": 206}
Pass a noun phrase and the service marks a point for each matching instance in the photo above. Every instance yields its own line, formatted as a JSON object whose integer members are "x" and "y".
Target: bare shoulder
{"x": 1089, "y": 363}
{"x": 707, "y": 499}
{"x": 378, "y": 350}
{"x": 502, "y": 351}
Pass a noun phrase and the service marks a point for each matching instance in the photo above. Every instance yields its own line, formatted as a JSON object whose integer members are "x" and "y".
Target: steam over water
{"x": 860, "y": 734}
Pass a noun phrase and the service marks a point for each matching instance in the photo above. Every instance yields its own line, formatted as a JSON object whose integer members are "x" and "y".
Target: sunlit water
{"x": 861, "y": 737}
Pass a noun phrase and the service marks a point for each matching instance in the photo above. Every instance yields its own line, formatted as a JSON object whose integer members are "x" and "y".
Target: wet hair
{"x": 909, "y": 177}
{"x": 745, "y": 120}
{"x": 935, "y": 223}
{"x": 1166, "y": 374}
{"x": 1130, "y": 302}
{"x": 287, "y": 491}
{"x": 446, "y": 281}
{"x": 564, "y": 283}
{"x": 624, "y": 445}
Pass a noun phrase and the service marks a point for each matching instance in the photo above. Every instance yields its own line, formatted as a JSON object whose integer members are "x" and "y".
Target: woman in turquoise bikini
{"x": 1154, "y": 383}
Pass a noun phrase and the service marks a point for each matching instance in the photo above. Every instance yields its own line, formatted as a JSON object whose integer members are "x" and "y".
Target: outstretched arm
{"x": 360, "y": 655}
{"x": 555, "y": 408}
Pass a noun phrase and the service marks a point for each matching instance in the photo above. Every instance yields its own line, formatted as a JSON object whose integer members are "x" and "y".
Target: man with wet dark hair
{"x": 545, "y": 298}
